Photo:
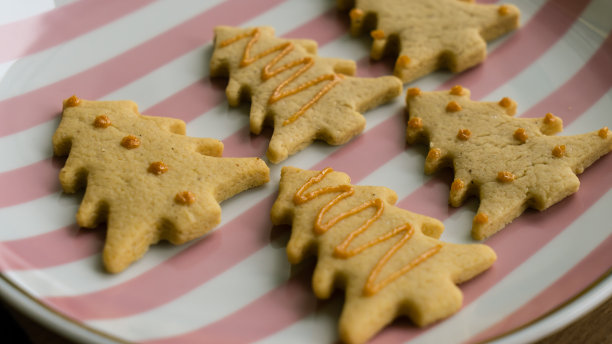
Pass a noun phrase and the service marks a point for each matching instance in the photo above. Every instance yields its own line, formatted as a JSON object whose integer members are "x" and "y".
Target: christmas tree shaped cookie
{"x": 430, "y": 34}
{"x": 303, "y": 96}
{"x": 388, "y": 260}
{"x": 509, "y": 163}
{"x": 144, "y": 176}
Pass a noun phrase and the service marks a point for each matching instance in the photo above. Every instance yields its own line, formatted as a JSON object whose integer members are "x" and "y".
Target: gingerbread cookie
{"x": 509, "y": 163}
{"x": 429, "y": 34}
{"x": 387, "y": 259}
{"x": 303, "y": 96}
{"x": 144, "y": 177}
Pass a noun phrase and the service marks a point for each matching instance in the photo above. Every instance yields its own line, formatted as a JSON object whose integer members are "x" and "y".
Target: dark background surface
{"x": 593, "y": 328}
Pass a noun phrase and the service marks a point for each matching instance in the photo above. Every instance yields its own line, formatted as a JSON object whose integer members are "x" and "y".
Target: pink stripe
{"x": 589, "y": 269}
{"x": 379, "y": 144}
{"x": 290, "y": 302}
{"x": 30, "y": 182}
{"x": 127, "y": 67}
{"x": 51, "y": 28}
{"x": 60, "y": 246}
{"x": 432, "y": 192}
{"x": 103, "y": 296}
{"x": 550, "y": 22}
{"x": 192, "y": 101}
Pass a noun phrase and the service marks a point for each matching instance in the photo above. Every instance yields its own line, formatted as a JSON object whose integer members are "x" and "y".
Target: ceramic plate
{"x": 235, "y": 284}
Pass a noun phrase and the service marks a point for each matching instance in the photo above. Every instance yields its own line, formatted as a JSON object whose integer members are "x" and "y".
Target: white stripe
{"x": 19, "y": 223}
{"x": 5, "y": 67}
{"x": 586, "y": 302}
{"x": 28, "y": 146}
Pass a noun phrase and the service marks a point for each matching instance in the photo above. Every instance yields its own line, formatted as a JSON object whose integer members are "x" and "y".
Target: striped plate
{"x": 235, "y": 284}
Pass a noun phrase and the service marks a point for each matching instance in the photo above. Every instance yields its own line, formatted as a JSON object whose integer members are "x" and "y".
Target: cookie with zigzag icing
{"x": 304, "y": 97}
{"x": 388, "y": 260}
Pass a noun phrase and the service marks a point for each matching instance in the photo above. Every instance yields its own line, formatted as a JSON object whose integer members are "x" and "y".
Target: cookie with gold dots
{"x": 509, "y": 163}
{"x": 144, "y": 177}
{"x": 429, "y": 34}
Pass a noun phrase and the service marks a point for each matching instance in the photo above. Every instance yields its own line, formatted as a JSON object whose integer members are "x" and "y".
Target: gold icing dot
{"x": 505, "y": 102}
{"x": 414, "y": 91}
{"x": 158, "y": 167}
{"x": 356, "y": 13}
{"x": 549, "y": 118}
{"x": 415, "y": 123}
{"x": 521, "y": 135}
{"x": 453, "y": 106}
{"x": 102, "y": 121}
{"x": 130, "y": 142}
{"x": 72, "y": 101}
{"x": 403, "y": 61}
{"x": 503, "y": 10}
{"x": 603, "y": 132}
{"x": 185, "y": 198}
{"x": 434, "y": 154}
{"x": 481, "y": 218}
{"x": 559, "y": 151}
{"x": 378, "y": 34}
{"x": 464, "y": 134}
{"x": 457, "y": 185}
{"x": 456, "y": 90}
{"x": 505, "y": 176}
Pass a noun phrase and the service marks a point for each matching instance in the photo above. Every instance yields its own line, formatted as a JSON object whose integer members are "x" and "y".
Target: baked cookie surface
{"x": 430, "y": 34}
{"x": 509, "y": 163}
{"x": 303, "y": 96}
{"x": 387, "y": 259}
{"x": 144, "y": 177}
